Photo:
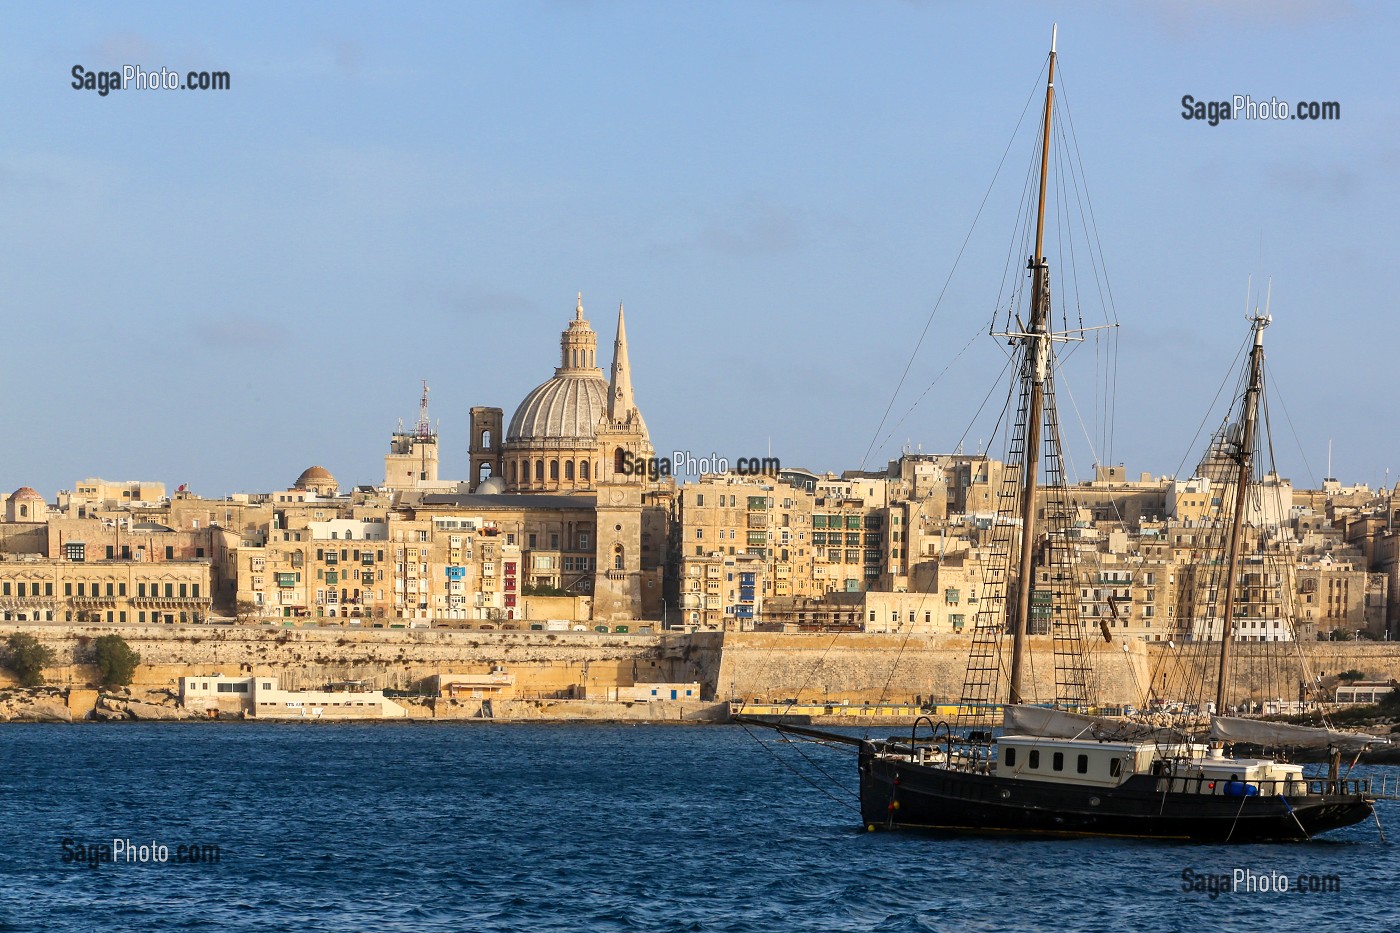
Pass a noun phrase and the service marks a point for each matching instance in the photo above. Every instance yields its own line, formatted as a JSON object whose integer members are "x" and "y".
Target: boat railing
{"x": 1389, "y": 788}
{"x": 945, "y": 739}
{"x": 1350, "y": 787}
{"x": 1287, "y": 787}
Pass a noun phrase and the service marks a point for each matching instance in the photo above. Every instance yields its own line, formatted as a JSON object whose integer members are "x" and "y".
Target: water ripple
{"x": 578, "y": 828}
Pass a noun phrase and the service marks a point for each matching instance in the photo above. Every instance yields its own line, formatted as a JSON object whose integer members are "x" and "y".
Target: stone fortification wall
{"x": 544, "y": 663}
{"x": 894, "y": 668}
{"x": 854, "y": 667}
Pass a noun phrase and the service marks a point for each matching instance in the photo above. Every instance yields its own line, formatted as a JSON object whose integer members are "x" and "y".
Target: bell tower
{"x": 624, "y": 453}
{"x": 486, "y": 444}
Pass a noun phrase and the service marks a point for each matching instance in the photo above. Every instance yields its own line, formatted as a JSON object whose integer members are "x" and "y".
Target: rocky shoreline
{"x": 64, "y": 704}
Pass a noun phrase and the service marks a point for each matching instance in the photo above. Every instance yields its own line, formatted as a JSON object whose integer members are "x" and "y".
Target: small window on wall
{"x": 1011, "y": 757}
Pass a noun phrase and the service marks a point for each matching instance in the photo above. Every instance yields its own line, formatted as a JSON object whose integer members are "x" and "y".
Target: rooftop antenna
{"x": 1329, "y": 458}
{"x": 424, "y": 428}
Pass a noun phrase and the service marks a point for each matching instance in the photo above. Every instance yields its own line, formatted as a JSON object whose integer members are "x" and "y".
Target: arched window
{"x": 23, "y": 511}
{"x": 539, "y": 471}
{"x": 583, "y": 469}
{"x": 513, "y": 472}
{"x": 568, "y": 469}
{"x": 619, "y": 456}
{"x": 485, "y": 472}
{"x": 617, "y": 557}
{"x": 485, "y": 440}
{"x": 554, "y": 469}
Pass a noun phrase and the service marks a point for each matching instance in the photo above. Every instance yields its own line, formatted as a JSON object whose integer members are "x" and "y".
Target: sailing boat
{"x": 1060, "y": 770}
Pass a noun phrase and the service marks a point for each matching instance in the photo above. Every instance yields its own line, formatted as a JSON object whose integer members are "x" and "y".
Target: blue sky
{"x": 222, "y": 288}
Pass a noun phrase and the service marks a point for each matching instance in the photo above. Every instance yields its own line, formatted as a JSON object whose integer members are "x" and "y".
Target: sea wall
{"x": 545, "y": 664}
{"x": 866, "y": 668}
{"x": 747, "y": 666}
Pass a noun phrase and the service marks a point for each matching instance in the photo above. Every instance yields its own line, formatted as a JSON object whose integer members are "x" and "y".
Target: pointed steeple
{"x": 620, "y": 403}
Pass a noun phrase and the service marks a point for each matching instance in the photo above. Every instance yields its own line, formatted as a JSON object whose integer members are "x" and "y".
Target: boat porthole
{"x": 1093, "y": 801}
{"x": 1005, "y": 794}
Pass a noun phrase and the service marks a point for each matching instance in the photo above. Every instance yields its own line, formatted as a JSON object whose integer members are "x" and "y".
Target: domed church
{"x": 572, "y": 439}
{"x": 571, "y": 433}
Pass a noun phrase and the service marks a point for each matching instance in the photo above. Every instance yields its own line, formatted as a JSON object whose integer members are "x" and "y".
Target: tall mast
{"x": 1244, "y": 457}
{"x": 1037, "y": 347}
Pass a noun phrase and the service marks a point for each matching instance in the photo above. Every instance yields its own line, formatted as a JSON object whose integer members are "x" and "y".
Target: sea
{"x": 541, "y": 827}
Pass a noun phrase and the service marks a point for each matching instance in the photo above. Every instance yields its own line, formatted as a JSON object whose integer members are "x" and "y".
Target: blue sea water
{"x": 574, "y": 828}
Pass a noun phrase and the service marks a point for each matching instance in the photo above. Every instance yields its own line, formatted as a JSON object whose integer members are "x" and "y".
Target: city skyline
{"x": 231, "y": 286}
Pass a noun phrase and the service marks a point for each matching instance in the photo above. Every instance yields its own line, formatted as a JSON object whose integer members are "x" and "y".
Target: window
{"x": 1115, "y": 767}
{"x": 75, "y": 551}
{"x": 1082, "y": 765}
{"x": 1057, "y": 763}
{"x": 1011, "y": 757}
{"x": 1035, "y": 758}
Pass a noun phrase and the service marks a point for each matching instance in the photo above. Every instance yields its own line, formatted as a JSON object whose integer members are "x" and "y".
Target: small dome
{"x": 314, "y": 476}
{"x": 25, "y": 492}
{"x": 491, "y": 486}
{"x": 567, "y": 406}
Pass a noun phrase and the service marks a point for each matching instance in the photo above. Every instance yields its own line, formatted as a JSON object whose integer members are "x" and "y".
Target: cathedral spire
{"x": 620, "y": 402}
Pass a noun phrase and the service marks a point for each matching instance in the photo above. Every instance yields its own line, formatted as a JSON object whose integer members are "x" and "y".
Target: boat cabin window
{"x": 1035, "y": 758}
{"x": 1115, "y": 767}
{"x": 1058, "y": 762}
{"x": 1083, "y": 764}
{"x": 1011, "y": 757}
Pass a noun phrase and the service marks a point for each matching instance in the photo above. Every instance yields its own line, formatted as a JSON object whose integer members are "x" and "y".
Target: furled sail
{"x": 1281, "y": 734}
{"x": 1061, "y": 724}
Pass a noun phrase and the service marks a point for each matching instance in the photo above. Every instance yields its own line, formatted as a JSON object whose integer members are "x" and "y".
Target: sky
{"x": 222, "y": 288}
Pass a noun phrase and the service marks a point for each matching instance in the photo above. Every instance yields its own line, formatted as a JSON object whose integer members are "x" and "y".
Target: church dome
{"x": 25, "y": 492}
{"x": 567, "y": 406}
{"x": 492, "y": 486}
{"x": 315, "y": 477}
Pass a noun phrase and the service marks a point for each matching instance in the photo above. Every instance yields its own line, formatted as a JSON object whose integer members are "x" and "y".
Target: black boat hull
{"x": 899, "y": 794}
